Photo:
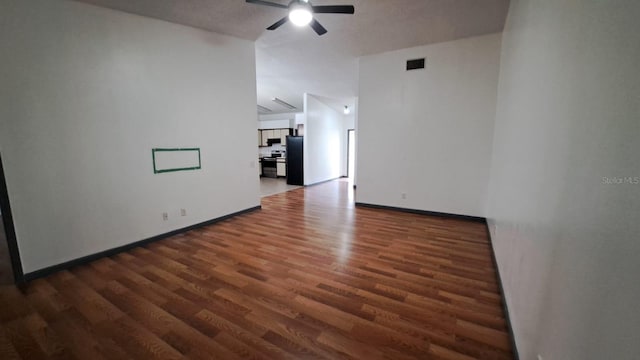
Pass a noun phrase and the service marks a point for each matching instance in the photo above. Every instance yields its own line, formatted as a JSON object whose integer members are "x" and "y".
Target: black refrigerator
{"x": 295, "y": 162}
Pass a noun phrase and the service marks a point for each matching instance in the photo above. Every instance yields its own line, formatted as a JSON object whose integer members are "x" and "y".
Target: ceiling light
{"x": 263, "y": 109}
{"x": 300, "y": 14}
{"x": 282, "y": 103}
{"x": 347, "y": 111}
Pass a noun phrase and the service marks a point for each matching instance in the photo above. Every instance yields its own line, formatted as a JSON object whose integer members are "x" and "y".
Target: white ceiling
{"x": 291, "y": 61}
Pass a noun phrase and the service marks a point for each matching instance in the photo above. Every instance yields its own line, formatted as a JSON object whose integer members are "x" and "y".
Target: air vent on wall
{"x": 415, "y": 64}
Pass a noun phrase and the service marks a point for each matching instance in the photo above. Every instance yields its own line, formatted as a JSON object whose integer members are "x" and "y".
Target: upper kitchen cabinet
{"x": 283, "y": 136}
{"x": 265, "y": 134}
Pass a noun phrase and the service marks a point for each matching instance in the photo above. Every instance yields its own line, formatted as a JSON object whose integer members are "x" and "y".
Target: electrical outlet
{"x": 183, "y": 212}
{"x": 165, "y": 216}
{"x": 403, "y": 195}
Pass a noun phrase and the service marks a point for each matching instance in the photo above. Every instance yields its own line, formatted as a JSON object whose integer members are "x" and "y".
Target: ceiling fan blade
{"x": 319, "y": 29}
{"x": 334, "y": 9}
{"x": 278, "y": 23}
{"x": 267, "y": 3}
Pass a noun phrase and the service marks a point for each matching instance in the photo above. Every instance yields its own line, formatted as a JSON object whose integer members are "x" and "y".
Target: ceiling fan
{"x": 301, "y": 13}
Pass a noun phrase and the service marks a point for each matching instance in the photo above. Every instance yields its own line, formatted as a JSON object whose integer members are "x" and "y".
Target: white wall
{"x": 428, "y": 133}
{"x": 85, "y": 94}
{"x": 277, "y": 121}
{"x": 568, "y": 116}
{"x": 324, "y": 137}
{"x": 274, "y": 124}
{"x": 300, "y": 118}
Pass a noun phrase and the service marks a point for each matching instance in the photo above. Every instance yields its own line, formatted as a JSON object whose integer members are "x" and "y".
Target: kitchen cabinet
{"x": 265, "y": 134}
{"x": 281, "y": 168}
{"x": 283, "y": 136}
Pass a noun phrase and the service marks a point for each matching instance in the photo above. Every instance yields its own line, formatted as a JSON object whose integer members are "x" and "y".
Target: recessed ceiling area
{"x": 291, "y": 61}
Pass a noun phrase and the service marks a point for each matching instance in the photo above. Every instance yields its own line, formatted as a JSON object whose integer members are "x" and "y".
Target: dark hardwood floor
{"x": 308, "y": 276}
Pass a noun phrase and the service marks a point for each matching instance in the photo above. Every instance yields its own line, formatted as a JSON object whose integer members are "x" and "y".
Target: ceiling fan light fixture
{"x": 300, "y": 14}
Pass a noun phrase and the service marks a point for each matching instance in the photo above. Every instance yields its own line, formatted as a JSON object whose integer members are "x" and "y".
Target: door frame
{"x": 348, "y": 145}
{"x": 9, "y": 229}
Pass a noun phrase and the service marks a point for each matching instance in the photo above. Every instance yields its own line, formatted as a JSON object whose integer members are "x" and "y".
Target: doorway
{"x": 351, "y": 154}
{"x": 10, "y": 267}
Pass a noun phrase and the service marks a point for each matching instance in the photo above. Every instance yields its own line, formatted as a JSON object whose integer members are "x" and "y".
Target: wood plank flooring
{"x": 307, "y": 277}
